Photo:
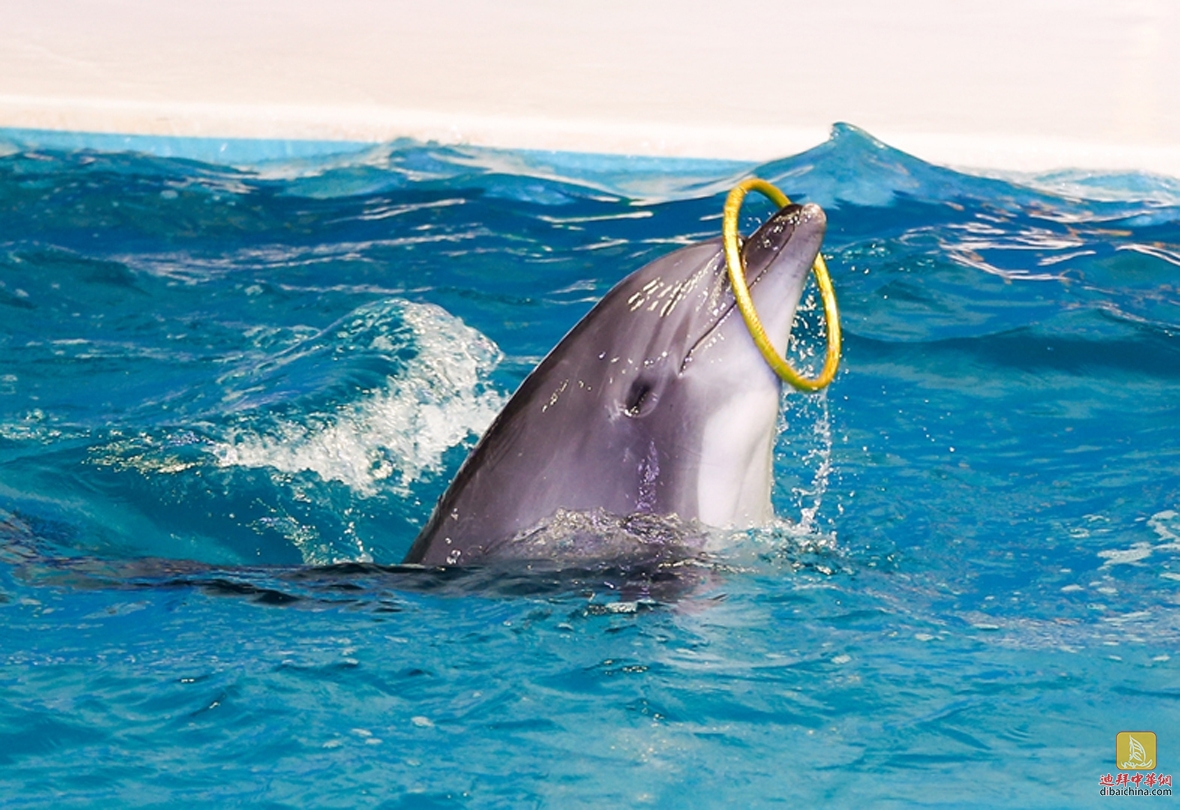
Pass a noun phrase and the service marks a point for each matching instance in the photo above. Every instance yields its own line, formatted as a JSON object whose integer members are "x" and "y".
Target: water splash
{"x": 803, "y": 443}
{"x": 394, "y": 436}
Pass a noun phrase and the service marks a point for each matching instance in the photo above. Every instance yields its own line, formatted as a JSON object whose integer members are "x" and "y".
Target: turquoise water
{"x": 230, "y": 396}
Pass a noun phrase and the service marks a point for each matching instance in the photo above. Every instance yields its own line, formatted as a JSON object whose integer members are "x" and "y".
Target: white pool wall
{"x": 1023, "y": 86}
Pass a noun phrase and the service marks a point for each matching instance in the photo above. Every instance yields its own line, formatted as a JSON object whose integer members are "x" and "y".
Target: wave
{"x": 396, "y": 432}
{"x": 285, "y": 360}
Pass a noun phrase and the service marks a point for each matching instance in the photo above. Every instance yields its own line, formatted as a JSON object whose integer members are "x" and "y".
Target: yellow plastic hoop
{"x": 741, "y": 292}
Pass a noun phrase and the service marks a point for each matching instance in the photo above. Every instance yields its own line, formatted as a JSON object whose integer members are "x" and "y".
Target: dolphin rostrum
{"x": 657, "y": 402}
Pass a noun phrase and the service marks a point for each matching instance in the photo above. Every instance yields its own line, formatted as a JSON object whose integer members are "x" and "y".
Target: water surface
{"x": 229, "y": 397}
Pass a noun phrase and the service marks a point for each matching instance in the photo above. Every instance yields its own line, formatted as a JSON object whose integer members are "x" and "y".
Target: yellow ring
{"x": 741, "y": 292}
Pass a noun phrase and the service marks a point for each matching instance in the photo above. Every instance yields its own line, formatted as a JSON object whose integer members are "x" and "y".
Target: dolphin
{"x": 656, "y": 403}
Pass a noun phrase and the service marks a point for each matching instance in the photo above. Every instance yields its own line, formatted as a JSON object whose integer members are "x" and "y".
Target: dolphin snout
{"x": 786, "y": 244}
{"x": 779, "y": 258}
{"x": 810, "y": 212}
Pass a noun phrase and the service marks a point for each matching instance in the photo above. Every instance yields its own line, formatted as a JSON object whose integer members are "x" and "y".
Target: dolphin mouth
{"x": 762, "y": 253}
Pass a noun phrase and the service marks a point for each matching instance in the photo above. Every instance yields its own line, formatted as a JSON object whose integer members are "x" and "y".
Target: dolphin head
{"x": 657, "y": 401}
{"x": 705, "y": 392}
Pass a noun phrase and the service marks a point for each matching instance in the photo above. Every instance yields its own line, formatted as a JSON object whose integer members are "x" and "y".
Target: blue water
{"x": 230, "y": 396}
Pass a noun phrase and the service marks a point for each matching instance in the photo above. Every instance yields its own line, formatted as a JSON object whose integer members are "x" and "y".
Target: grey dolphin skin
{"x": 656, "y": 402}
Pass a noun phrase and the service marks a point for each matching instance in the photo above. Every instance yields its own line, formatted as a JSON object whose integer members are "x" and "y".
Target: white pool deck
{"x": 1023, "y": 85}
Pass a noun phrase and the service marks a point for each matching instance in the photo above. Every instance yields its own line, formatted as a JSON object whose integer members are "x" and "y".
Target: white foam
{"x": 1167, "y": 525}
{"x": 395, "y": 436}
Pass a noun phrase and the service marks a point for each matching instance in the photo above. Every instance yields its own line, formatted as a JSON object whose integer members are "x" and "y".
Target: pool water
{"x": 229, "y": 398}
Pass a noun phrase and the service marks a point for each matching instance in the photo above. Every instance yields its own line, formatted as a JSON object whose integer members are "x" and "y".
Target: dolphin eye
{"x": 640, "y": 398}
